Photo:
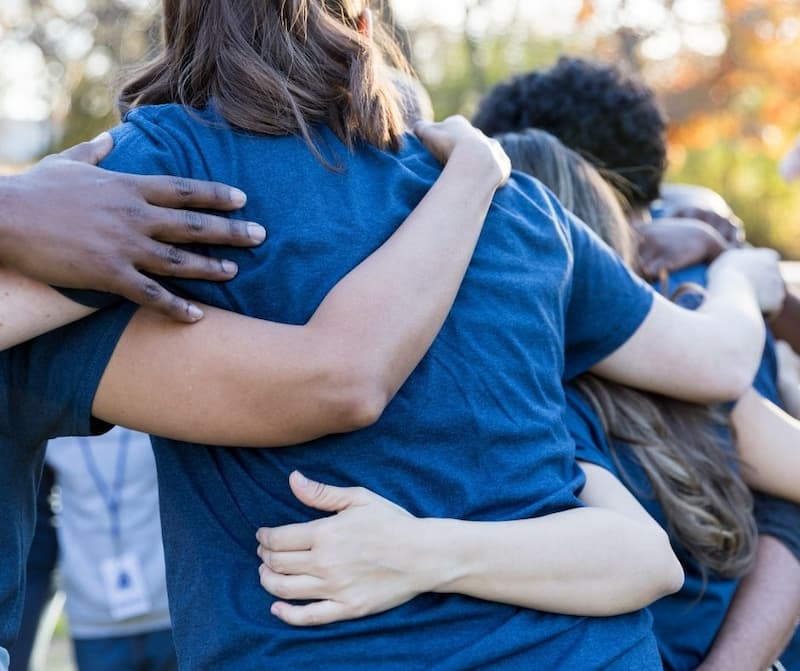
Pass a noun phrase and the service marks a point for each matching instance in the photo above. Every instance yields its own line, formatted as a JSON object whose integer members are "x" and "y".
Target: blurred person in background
{"x": 111, "y": 555}
{"x": 613, "y": 119}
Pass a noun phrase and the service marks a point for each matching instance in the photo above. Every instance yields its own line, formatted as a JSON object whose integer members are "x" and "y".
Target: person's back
{"x": 476, "y": 433}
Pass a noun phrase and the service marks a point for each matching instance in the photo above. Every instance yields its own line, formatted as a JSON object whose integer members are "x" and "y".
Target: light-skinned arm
{"x": 720, "y": 343}
{"x": 232, "y": 380}
{"x": 768, "y": 443}
{"x": 605, "y": 559}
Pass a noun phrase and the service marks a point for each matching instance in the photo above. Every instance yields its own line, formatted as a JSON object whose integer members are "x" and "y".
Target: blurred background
{"x": 727, "y": 71}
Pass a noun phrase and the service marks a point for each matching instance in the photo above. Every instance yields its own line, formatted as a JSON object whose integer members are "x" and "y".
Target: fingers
{"x": 148, "y": 293}
{"x": 182, "y": 193}
{"x": 323, "y": 497}
{"x": 289, "y": 538}
{"x": 93, "y": 151}
{"x": 311, "y": 615}
{"x": 187, "y": 226}
{"x": 290, "y": 587}
{"x": 169, "y": 261}
{"x": 288, "y": 563}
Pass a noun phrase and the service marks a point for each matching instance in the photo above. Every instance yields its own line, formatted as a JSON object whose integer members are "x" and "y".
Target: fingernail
{"x": 195, "y": 313}
{"x": 230, "y": 267}
{"x": 302, "y": 480}
{"x": 238, "y": 198}
{"x": 256, "y": 232}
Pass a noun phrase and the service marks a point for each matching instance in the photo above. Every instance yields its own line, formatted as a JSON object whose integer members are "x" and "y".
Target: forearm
{"x": 767, "y": 440}
{"x": 561, "y": 563}
{"x": 786, "y": 324}
{"x": 28, "y": 309}
{"x": 386, "y": 313}
{"x": 763, "y": 614}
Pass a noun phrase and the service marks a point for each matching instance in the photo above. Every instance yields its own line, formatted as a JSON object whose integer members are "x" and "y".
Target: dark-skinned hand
{"x": 666, "y": 245}
{"x": 68, "y": 223}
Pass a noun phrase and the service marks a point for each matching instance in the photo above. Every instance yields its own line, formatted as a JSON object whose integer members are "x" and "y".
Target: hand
{"x": 456, "y": 134}
{"x": 359, "y": 562}
{"x": 672, "y": 244}
{"x": 727, "y": 225}
{"x": 760, "y": 267}
{"x": 68, "y": 223}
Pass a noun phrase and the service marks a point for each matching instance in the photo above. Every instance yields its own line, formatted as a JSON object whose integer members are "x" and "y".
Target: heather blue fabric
{"x": 47, "y": 387}
{"x": 684, "y": 623}
{"x": 476, "y": 433}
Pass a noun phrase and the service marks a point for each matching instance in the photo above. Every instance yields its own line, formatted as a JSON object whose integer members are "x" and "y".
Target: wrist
{"x": 442, "y": 547}
{"x": 479, "y": 164}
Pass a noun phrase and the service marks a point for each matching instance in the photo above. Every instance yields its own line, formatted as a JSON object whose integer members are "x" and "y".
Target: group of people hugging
{"x": 447, "y": 415}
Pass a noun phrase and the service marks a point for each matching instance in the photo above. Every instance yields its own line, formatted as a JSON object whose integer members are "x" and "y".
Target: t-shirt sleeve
{"x": 586, "y": 430}
{"x": 52, "y": 380}
{"x": 141, "y": 147}
{"x": 607, "y": 302}
{"x": 779, "y": 519}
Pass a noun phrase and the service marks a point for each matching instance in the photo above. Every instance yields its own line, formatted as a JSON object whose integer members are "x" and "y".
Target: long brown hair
{"x": 277, "y": 67}
{"x": 680, "y": 446}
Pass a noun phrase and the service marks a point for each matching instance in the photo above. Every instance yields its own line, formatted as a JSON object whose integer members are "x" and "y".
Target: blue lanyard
{"x": 112, "y": 496}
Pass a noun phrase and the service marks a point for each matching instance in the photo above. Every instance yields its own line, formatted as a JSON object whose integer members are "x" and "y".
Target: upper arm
{"x": 671, "y": 353}
{"x": 226, "y": 380}
{"x": 29, "y": 309}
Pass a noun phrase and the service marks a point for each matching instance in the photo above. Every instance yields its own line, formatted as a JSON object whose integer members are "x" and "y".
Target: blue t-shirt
{"x": 476, "y": 433}
{"x": 687, "y": 622}
{"x": 47, "y": 387}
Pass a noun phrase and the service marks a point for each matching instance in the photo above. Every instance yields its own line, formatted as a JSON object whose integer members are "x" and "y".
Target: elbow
{"x": 738, "y": 373}
{"x": 665, "y": 571}
{"x": 360, "y": 399}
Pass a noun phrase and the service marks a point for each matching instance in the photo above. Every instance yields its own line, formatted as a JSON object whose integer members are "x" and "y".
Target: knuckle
{"x": 151, "y": 291}
{"x": 194, "y": 221}
{"x": 183, "y": 187}
{"x": 174, "y": 256}
{"x": 133, "y": 212}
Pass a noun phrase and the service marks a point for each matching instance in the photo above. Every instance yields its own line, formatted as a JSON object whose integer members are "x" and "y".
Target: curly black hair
{"x": 610, "y": 117}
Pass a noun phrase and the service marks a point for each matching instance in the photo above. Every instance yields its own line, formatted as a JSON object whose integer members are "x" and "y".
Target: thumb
{"x": 92, "y": 151}
{"x": 323, "y": 497}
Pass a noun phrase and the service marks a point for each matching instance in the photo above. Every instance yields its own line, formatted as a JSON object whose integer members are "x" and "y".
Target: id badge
{"x": 124, "y": 585}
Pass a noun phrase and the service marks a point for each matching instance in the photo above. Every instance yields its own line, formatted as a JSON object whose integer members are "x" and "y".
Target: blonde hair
{"x": 680, "y": 446}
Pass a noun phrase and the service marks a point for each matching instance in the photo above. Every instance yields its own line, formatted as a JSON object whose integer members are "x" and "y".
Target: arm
{"x": 265, "y": 384}
{"x": 68, "y": 223}
{"x": 720, "y": 343}
{"x": 763, "y": 615}
{"x": 28, "y": 309}
{"x": 373, "y": 555}
{"x": 768, "y": 443}
{"x": 666, "y": 245}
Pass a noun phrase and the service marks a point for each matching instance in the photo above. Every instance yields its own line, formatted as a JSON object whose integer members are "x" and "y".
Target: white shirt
{"x": 85, "y": 529}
